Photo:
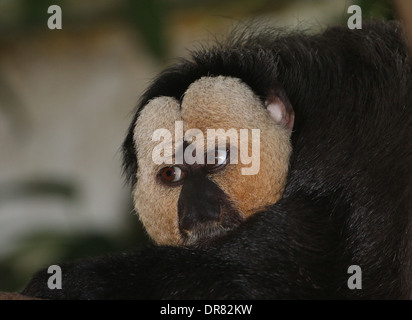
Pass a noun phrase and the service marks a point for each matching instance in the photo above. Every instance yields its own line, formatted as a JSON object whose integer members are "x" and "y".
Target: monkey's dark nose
{"x": 198, "y": 202}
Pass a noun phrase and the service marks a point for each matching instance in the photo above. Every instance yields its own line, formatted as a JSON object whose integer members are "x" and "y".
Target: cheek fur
{"x": 251, "y": 193}
{"x": 158, "y": 213}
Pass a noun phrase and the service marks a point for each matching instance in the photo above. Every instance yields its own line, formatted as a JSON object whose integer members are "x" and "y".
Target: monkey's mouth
{"x": 204, "y": 235}
{"x": 207, "y": 233}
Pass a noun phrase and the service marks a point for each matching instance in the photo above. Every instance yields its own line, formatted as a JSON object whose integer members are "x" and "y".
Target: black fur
{"x": 348, "y": 196}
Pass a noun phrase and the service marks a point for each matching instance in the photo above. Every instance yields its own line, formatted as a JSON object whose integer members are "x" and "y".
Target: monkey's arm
{"x": 244, "y": 265}
{"x": 150, "y": 274}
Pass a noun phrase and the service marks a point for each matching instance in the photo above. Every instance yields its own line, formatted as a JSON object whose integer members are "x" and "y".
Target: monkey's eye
{"x": 171, "y": 174}
{"x": 216, "y": 159}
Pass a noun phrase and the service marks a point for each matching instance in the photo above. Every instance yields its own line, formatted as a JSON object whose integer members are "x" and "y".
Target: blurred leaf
{"x": 148, "y": 16}
{"x": 13, "y": 109}
{"x": 38, "y": 188}
{"x": 377, "y": 9}
{"x": 36, "y": 11}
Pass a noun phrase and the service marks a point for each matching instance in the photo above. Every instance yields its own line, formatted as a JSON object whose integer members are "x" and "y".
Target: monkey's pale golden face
{"x": 187, "y": 200}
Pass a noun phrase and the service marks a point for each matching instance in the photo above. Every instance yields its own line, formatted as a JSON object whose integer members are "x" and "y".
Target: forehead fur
{"x": 208, "y": 103}
{"x": 159, "y": 113}
{"x": 222, "y": 102}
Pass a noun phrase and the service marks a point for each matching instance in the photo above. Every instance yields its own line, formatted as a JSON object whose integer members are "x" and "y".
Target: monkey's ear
{"x": 280, "y": 109}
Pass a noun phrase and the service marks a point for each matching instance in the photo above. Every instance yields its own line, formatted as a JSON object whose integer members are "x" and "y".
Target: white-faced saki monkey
{"x": 311, "y": 176}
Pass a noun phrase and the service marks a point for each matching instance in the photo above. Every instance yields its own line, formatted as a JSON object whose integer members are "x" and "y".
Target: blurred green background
{"x": 66, "y": 99}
